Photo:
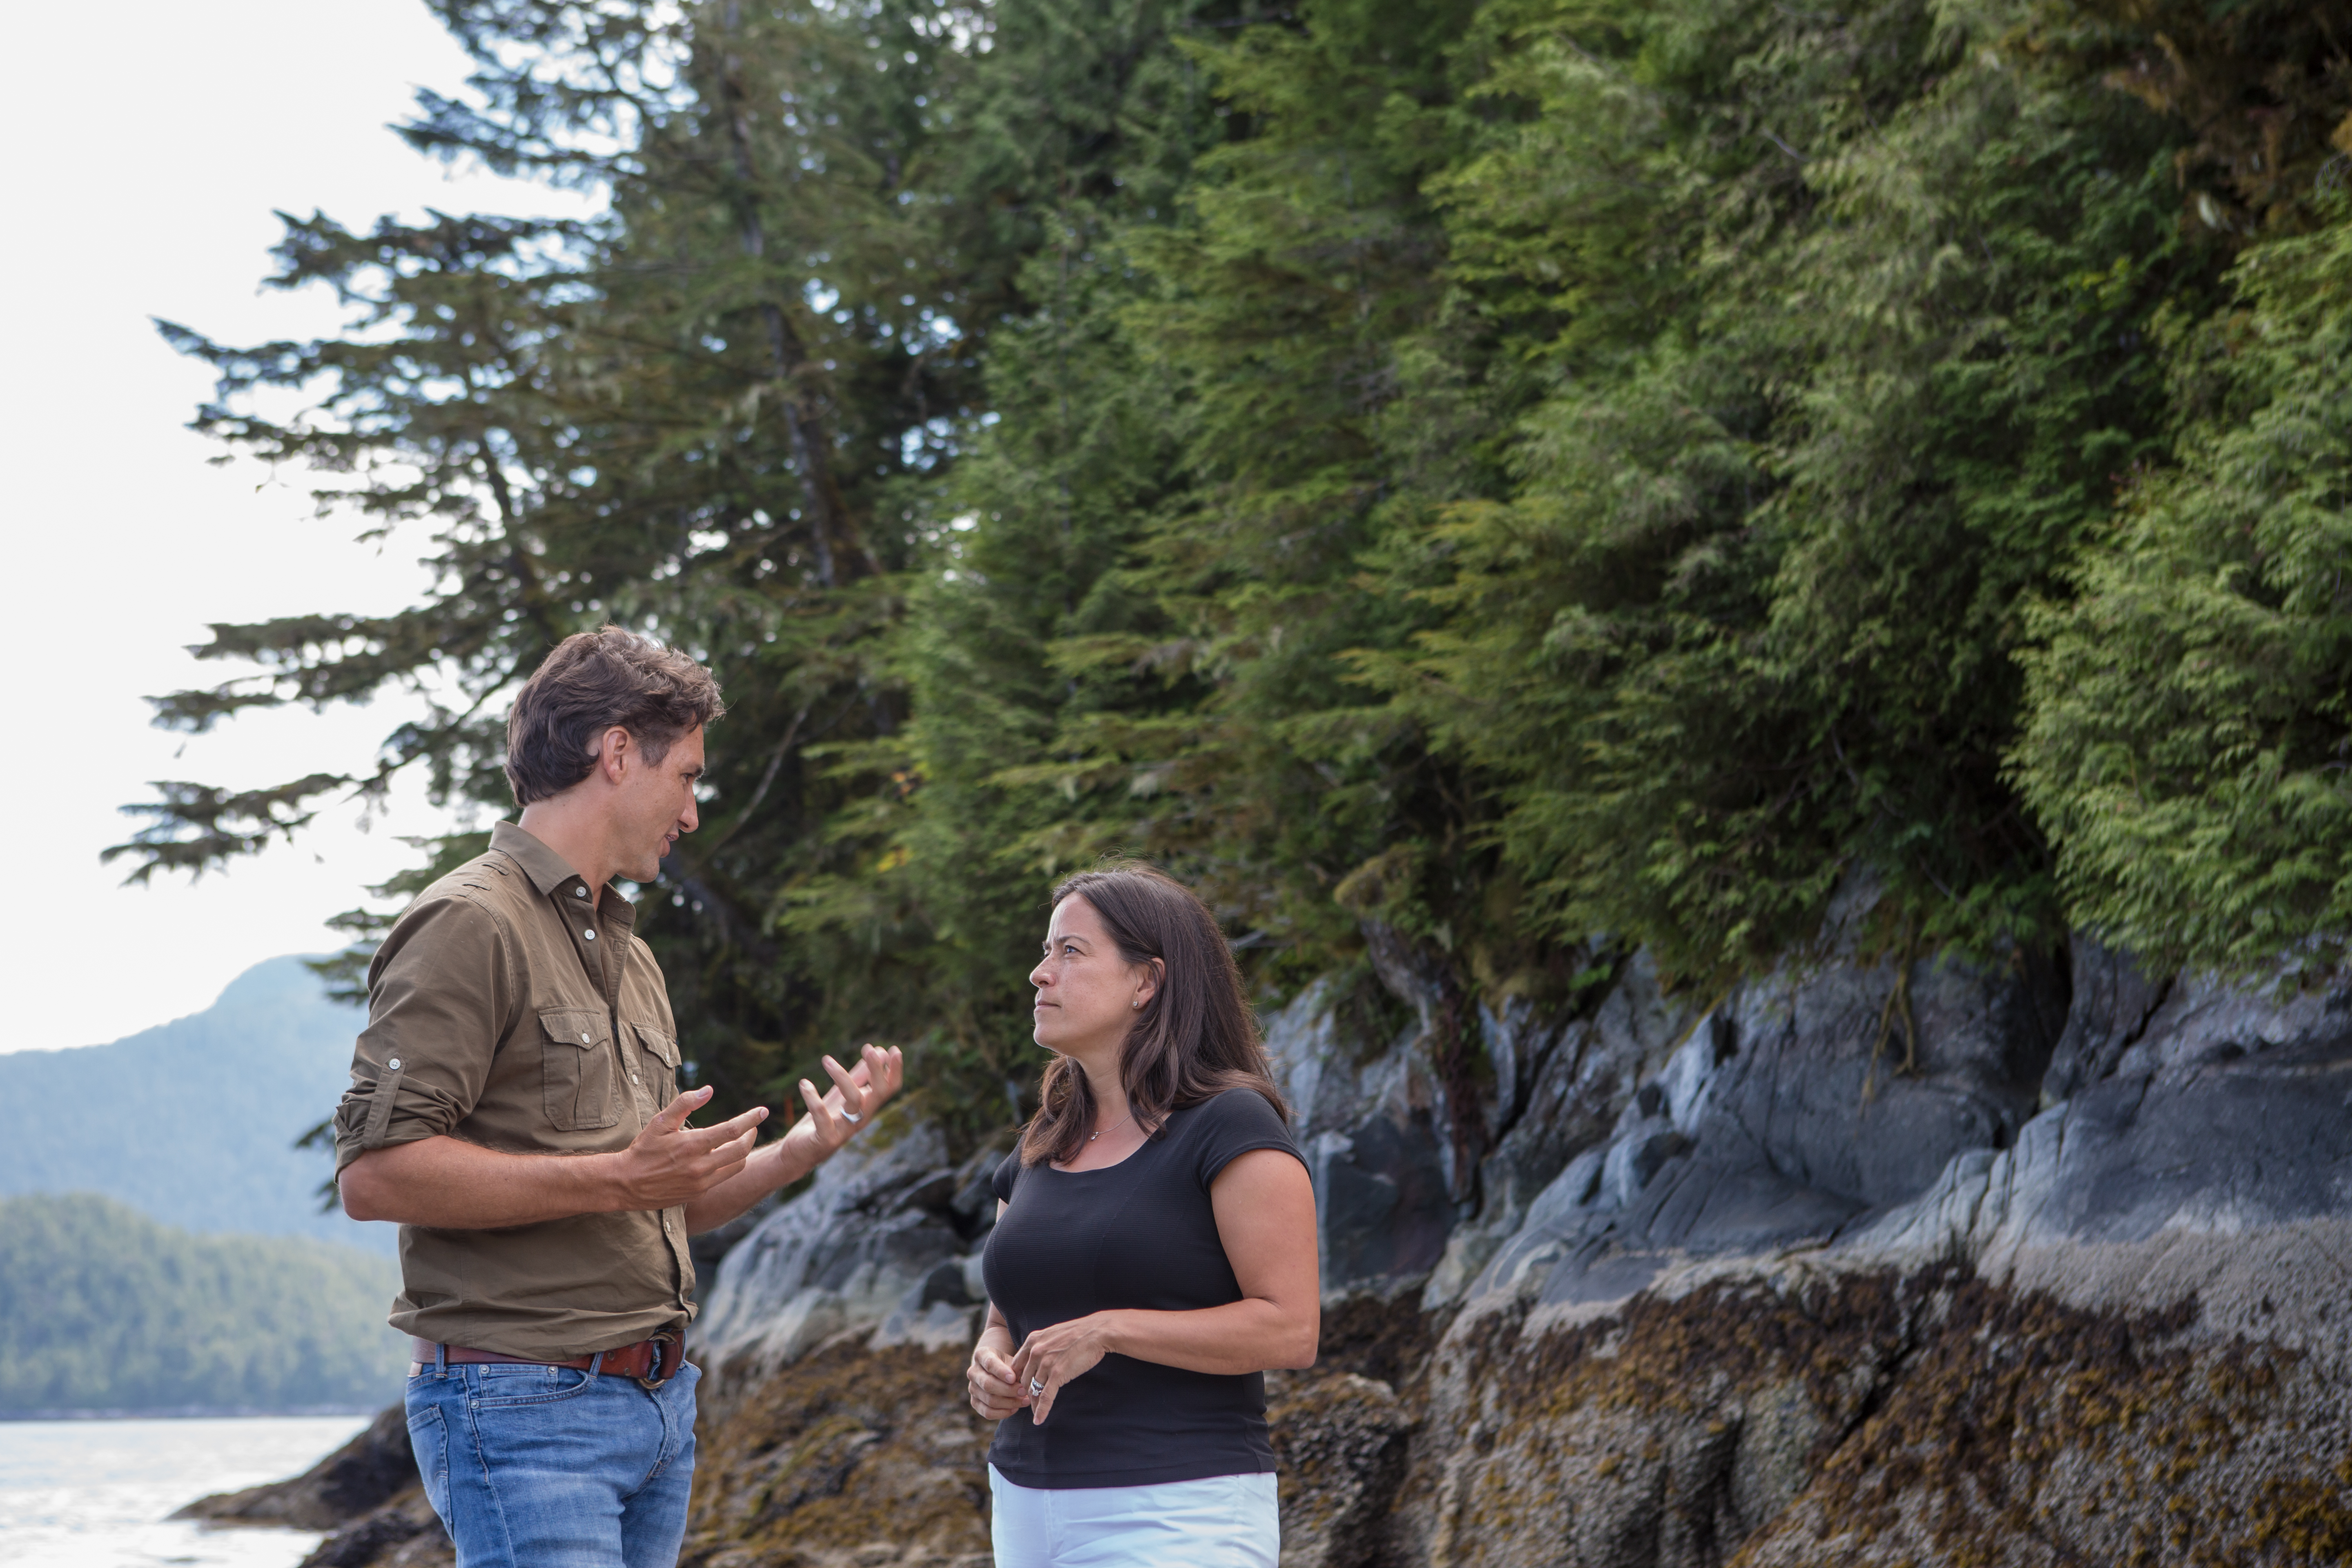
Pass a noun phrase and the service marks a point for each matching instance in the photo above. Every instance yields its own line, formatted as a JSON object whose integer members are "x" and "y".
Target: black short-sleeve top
{"x": 1141, "y": 1234}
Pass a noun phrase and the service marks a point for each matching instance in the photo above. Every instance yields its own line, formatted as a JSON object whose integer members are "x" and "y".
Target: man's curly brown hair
{"x": 592, "y": 682}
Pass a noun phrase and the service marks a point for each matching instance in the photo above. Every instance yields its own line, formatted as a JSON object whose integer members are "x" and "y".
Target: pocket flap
{"x": 660, "y": 1044}
{"x": 581, "y": 1026}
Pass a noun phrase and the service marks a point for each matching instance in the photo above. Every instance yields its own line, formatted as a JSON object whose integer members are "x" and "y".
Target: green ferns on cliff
{"x": 2187, "y": 740}
{"x": 102, "y": 1309}
{"x": 1474, "y": 483}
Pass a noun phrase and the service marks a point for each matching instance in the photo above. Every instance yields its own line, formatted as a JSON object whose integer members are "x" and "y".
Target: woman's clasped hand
{"x": 1053, "y": 1356}
{"x": 1037, "y": 1372}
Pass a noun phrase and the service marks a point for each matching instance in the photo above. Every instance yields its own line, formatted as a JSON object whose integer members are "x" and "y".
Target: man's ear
{"x": 616, "y": 753}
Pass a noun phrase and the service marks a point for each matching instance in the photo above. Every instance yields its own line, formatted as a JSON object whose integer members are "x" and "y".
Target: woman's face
{"x": 1088, "y": 994}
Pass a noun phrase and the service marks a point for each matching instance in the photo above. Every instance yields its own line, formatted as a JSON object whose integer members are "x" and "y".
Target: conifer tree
{"x": 1476, "y": 486}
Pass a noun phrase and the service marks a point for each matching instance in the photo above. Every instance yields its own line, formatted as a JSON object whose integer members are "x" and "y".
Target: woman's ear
{"x": 1154, "y": 972}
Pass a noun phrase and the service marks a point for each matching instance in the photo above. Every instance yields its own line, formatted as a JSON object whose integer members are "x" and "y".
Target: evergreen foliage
{"x": 102, "y": 1309}
{"x": 2189, "y": 732}
{"x": 1475, "y": 485}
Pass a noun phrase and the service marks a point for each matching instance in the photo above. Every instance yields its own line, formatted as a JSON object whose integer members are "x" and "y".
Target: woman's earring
{"x": 1138, "y": 1006}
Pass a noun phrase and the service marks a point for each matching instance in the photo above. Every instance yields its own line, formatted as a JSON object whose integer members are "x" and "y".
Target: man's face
{"x": 655, "y": 804}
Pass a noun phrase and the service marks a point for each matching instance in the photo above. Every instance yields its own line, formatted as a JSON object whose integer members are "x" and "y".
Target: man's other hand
{"x": 856, "y": 1094}
{"x": 671, "y": 1163}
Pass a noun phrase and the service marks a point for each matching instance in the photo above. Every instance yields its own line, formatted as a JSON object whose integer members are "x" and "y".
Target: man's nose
{"x": 692, "y": 820}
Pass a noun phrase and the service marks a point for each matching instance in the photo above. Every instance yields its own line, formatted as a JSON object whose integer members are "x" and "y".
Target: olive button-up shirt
{"x": 514, "y": 1006}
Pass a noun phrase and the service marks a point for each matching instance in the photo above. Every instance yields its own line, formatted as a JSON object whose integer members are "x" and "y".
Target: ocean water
{"x": 94, "y": 1494}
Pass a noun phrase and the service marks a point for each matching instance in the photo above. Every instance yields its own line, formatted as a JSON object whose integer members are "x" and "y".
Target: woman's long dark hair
{"x": 1193, "y": 1040}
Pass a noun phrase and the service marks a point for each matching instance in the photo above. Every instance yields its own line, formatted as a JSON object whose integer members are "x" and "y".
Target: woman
{"x": 1153, "y": 1255}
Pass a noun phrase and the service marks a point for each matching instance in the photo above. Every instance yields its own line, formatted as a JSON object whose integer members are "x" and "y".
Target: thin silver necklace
{"x": 1113, "y": 1127}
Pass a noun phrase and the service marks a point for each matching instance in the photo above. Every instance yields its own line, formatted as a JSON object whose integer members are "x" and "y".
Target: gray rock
{"x": 1585, "y": 1078}
{"x": 1380, "y": 1204}
{"x": 709, "y": 1248}
{"x": 2111, "y": 1004}
{"x": 940, "y": 1326}
{"x": 1781, "y": 1117}
{"x": 876, "y": 1221}
{"x": 2243, "y": 1126}
{"x": 1365, "y": 1122}
{"x": 2202, "y": 1019}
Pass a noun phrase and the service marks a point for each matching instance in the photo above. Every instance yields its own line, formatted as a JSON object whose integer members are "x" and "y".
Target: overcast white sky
{"x": 146, "y": 155}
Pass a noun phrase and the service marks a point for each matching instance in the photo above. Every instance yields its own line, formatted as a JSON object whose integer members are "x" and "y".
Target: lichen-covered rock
{"x": 1341, "y": 1440}
{"x": 851, "y": 1457}
{"x": 2026, "y": 1431}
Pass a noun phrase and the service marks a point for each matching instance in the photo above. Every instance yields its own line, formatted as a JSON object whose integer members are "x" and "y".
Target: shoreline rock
{"x": 366, "y": 1495}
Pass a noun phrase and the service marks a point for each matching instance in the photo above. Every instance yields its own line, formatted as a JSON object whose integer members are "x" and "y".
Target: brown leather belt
{"x": 652, "y": 1361}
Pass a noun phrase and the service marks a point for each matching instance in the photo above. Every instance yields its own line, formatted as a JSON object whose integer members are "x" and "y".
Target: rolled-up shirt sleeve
{"x": 440, "y": 993}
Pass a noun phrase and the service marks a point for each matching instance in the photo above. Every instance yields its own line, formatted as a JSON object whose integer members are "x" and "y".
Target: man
{"x": 514, "y": 1105}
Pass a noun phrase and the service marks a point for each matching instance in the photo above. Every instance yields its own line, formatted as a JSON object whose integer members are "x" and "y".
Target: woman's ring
{"x": 845, "y": 1116}
{"x": 1036, "y": 1386}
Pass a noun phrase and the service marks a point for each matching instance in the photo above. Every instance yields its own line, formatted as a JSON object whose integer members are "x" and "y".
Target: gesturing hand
{"x": 1053, "y": 1357}
{"x": 856, "y": 1095}
{"x": 670, "y": 1163}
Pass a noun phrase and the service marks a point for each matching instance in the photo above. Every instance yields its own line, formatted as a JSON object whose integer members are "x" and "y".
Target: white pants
{"x": 1225, "y": 1522}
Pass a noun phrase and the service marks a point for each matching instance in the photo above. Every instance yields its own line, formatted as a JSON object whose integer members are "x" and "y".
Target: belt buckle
{"x": 667, "y": 1358}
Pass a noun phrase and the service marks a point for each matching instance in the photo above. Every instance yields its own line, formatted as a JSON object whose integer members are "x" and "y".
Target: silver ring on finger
{"x": 1036, "y": 1386}
{"x": 849, "y": 1116}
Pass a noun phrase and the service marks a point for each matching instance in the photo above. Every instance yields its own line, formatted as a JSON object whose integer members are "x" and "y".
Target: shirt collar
{"x": 547, "y": 871}
{"x": 551, "y": 874}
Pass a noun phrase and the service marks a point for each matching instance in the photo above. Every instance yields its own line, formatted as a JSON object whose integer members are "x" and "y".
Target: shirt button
{"x": 393, "y": 1064}
{"x": 583, "y": 1036}
{"x": 633, "y": 1079}
{"x": 578, "y": 892}
{"x": 589, "y": 934}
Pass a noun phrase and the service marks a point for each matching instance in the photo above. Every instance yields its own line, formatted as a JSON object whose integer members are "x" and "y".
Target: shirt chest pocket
{"x": 576, "y": 1065}
{"x": 659, "y": 1061}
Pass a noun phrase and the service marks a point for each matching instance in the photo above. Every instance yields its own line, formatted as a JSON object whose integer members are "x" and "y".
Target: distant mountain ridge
{"x": 193, "y": 1122}
{"x": 103, "y": 1311}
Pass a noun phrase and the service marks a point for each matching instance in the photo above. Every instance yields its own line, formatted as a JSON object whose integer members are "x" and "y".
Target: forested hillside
{"x": 102, "y": 1309}
{"x": 193, "y": 1122}
{"x": 1477, "y": 485}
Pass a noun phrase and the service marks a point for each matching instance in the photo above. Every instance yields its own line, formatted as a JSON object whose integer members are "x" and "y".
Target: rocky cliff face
{"x": 1861, "y": 1263}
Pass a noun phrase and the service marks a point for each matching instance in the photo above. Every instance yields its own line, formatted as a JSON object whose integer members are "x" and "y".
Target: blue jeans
{"x": 1225, "y": 1522}
{"x": 540, "y": 1467}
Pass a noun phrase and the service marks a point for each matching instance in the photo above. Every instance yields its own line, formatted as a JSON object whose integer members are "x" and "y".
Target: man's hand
{"x": 835, "y": 1116}
{"x": 670, "y": 1163}
{"x": 832, "y": 1120}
